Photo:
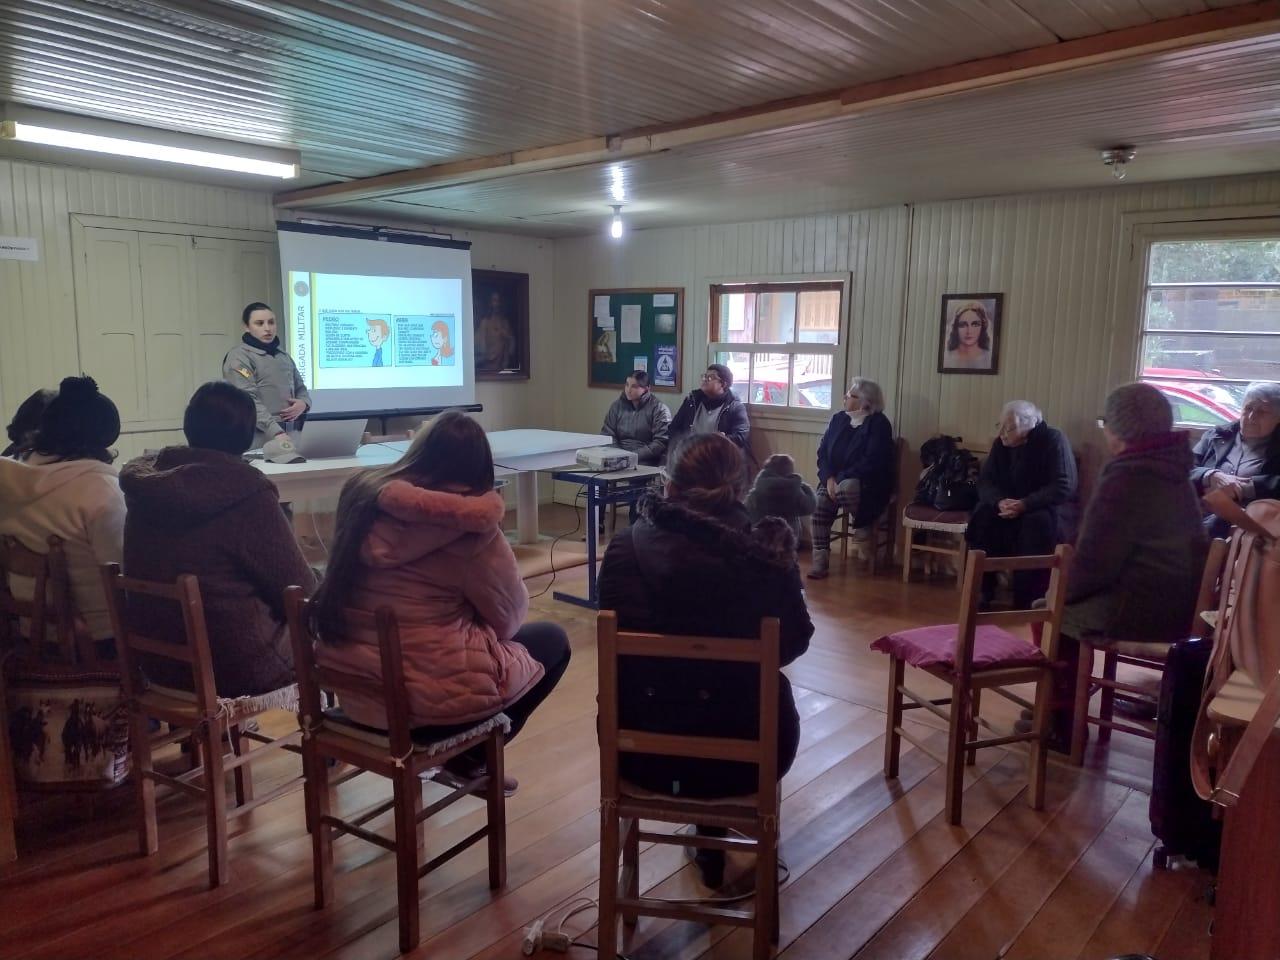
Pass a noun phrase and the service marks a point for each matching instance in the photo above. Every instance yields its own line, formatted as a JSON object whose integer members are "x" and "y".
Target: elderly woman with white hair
{"x": 1027, "y": 480}
{"x": 855, "y": 469}
{"x": 1242, "y": 458}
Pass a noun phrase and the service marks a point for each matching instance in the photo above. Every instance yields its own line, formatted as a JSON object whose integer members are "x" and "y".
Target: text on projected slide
{"x": 351, "y": 331}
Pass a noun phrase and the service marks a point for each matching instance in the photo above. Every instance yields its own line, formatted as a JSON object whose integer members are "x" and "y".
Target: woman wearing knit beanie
{"x": 67, "y": 488}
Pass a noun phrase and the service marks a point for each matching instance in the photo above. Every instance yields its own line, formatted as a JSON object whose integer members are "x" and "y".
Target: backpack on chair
{"x": 949, "y": 480}
{"x": 1246, "y": 645}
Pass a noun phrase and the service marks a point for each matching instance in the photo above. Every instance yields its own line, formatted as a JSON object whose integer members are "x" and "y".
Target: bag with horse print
{"x": 1243, "y": 687}
{"x": 68, "y": 729}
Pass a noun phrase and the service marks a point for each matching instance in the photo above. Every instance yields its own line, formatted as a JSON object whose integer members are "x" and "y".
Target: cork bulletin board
{"x": 635, "y": 329}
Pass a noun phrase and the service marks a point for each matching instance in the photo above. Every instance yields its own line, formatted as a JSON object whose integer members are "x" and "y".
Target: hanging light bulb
{"x": 615, "y": 228}
{"x": 1118, "y": 159}
{"x": 619, "y": 188}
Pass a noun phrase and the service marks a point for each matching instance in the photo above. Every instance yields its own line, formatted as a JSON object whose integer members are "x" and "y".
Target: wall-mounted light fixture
{"x": 27, "y": 125}
{"x": 615, "y": 227}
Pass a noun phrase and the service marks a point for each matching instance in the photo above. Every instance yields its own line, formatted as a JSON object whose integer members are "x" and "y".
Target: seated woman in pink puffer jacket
{"x": 424, "y": 537}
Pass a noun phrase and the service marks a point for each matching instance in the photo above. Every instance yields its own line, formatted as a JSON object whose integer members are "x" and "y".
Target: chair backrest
{"x": 1215, "y": 563}
{"x": 614, "y": 740}
{"x": 51, "y": 607}
{"x": 389, "y": 693}
{"x": 190, "y": 647}
{"x": 1049, "y": 616}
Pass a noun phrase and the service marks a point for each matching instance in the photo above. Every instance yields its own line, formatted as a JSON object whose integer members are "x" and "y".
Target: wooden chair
{"x": 973, "y": 655}
{"x": 199, "y": 715}
{"x": 42, "y": 635}
{"x": 882, "y": 534}
{"x": 397, "y": 754}
{"x": 624, "y": 805}
{"x": 918, "y": 517}
{"x": 53, "y": 633}
{"x": 1150, "y": 656}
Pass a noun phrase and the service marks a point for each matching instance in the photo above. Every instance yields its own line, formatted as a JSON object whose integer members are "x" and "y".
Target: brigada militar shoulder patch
{"x": 244, "y": 372}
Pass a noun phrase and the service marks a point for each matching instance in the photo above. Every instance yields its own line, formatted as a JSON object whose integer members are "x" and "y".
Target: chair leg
{"x": 630, "y": 831}
{"x": 1107, "y": 701}
{"x": 143, "y": 785}
{"x": 975, "y": 709}
{"x": 766, "y": 935}
{"x": 242, "y": 775}
{"x": 1040, "y": 745}
{"x": 607, "y": 934}
{"x": 908, "y": 539}
{"x": 215, "y": 802}
{"x": 407, "y": 790}
{"x": 893, "y": 719}
{"x": 316, "y": 797}
{"x": 496, "y": 801}
{"x": 962, "y": 557}
{"x": 8, "y": 787}
{"x": 955, "y": 751}
{"x": 1080, "y": 716}
{"x": 844, "y": 537}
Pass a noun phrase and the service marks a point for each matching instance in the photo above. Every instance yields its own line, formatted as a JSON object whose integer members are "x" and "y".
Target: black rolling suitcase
{"x": 1184, "y": 823}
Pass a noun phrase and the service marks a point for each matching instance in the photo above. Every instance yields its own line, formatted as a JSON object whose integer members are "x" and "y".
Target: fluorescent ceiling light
{"x": 619, "y": 188}
{"x": 56, "y": 130}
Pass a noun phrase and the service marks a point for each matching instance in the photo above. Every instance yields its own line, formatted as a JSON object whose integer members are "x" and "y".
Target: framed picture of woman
{"x": 500, "y": 305}
{"x": 969, "y": 341}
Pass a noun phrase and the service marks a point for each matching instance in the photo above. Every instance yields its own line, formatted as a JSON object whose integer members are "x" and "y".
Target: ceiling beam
{"x": 1215, "y": 26}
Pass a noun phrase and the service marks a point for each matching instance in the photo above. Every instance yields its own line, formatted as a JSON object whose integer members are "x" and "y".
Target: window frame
{"x": 786, "y": 283}
{"x": 1140, "y": 232}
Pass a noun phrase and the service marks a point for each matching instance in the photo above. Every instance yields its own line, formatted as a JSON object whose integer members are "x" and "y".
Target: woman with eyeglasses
{"x": 713, "y": 408}
{"x": 855, "y": 469}
{"x": 969, "y": 343}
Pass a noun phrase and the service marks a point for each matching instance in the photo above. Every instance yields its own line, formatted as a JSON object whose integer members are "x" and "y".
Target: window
{"x": 779, "y": 339}
{"x": 1210, "y": 324}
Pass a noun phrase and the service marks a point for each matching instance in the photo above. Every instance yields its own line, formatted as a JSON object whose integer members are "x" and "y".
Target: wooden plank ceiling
{"x": 365, "y": 88}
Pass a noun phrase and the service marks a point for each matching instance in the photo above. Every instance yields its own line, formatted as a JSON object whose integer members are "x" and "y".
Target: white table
{"x": 519, "y": 452}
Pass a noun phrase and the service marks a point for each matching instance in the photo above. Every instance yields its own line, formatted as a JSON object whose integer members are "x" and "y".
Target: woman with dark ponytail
{"x": 694, "y": 565}
{"x": 67, "y": 487}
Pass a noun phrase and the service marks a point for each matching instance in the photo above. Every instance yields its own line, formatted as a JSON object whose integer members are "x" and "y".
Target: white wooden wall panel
{"x": 1053, "y": 255}
{"x": 38, "y": 332}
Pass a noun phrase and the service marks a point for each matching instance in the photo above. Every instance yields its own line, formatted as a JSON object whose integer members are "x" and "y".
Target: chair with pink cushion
{"x": 978, "y": 653}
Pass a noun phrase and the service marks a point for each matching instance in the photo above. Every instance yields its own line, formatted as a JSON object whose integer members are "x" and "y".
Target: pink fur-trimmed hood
{"x": 413, "y": 522}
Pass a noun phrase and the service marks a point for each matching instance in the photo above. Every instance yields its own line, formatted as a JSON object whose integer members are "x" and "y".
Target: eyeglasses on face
{"x": 710, "y": 376}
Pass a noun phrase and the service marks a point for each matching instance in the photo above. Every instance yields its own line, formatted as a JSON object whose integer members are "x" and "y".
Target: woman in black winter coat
{"x": 694, "y": 565}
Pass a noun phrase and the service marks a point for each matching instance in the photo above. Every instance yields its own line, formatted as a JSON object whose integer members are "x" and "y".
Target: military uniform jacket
{"x": 270, "y": 380}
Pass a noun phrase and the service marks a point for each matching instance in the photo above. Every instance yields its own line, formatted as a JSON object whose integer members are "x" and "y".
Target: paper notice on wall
{"x": 664, "y": 299}
{"x": 631, "y": 323}
{"x": 640, "y": 363}
{"x": 630, "y": 326}
{"x": 664, "y": 371}
{"x": 601, "y": 307}
{"x": 605, "y": 322}
{"x": 20, "y": 248}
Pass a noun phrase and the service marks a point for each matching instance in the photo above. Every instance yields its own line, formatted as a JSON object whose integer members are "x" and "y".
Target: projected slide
{"x": 349, "y": 332}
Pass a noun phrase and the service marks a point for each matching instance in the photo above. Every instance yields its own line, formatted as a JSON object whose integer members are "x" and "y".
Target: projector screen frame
{"x": 387, "y": 235}
{"x": 383, "y": 234}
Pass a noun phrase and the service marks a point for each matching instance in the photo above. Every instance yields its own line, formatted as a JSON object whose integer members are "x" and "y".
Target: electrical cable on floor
{"x": 537, "y": 938}
{"x": 568, "y": 533}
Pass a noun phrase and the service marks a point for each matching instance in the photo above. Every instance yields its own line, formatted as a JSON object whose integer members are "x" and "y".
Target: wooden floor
{"x": 874, "y": 871}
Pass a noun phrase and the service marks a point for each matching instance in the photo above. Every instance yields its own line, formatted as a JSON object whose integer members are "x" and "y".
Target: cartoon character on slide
{"x": 378, "y": 332}
{"x": 440, "y": 342}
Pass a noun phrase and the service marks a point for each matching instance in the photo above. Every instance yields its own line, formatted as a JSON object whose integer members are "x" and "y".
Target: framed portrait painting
{"x": 500, "y": 307}
{"x": 969, "y": 338}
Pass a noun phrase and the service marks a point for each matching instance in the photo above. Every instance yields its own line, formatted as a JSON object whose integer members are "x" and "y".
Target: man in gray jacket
{"x": 639, "y": 421}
